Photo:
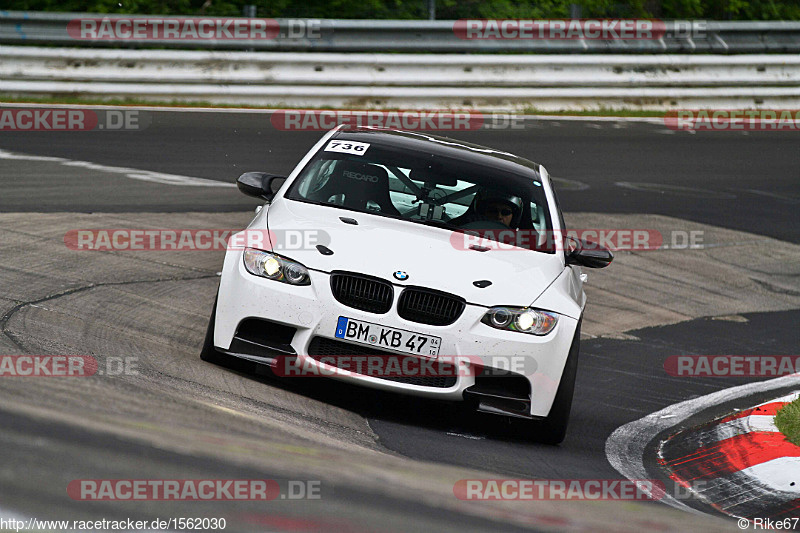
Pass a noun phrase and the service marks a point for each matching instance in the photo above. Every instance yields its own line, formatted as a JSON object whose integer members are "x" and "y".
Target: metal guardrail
{"x": 331, "y": 35}
{"x": 396, "y": 70}
{"x": 405, "y": 81}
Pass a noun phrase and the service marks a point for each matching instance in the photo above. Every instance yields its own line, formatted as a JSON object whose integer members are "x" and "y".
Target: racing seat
{"x": 365, "y": 187}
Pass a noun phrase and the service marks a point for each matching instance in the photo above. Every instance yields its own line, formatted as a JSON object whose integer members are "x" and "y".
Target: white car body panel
{"x": 379, "y": 246}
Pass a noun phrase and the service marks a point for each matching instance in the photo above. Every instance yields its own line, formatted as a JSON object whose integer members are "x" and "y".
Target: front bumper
{"x": 314, "y": 312}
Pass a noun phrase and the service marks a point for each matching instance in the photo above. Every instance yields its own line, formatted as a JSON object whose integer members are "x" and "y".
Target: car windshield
{"x": 427, "y": 188}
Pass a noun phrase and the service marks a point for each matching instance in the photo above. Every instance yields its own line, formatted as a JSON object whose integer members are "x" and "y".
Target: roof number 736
{"x": 347, "y": 147}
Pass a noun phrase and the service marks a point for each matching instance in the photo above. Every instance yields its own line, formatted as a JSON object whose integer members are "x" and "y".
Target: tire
{"x": 553, "y": 429}
{"x": 210, "y": 354}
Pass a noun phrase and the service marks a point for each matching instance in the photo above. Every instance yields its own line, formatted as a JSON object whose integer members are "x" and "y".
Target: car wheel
{"x": 210, "y": 354}
{"x": 553, "y": 429}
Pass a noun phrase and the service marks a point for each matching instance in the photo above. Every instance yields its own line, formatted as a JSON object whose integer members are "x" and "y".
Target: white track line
{"x": 132, "y": 173}
{"x": 625, "y": 447}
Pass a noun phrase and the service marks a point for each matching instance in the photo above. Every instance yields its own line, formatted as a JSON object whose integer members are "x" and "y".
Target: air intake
{"x": 365, "y": 293}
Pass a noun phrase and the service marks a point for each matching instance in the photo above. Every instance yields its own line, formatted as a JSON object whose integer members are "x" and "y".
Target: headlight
{"x": 522, "y": 319}
{"x": 269, "y": 265}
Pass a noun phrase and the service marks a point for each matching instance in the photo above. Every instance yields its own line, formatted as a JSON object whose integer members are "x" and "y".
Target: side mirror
{"x": 260, "y": 184}
{"x": 589, "y": 254}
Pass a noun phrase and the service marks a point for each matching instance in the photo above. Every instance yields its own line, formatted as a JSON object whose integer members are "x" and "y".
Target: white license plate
{"x": 385, "y": 337}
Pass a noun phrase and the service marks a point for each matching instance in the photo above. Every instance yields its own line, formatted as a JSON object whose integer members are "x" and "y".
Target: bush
{"x": 788, "y": 421}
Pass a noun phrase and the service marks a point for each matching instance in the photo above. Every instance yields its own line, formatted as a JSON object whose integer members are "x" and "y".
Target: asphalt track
{"x": 739, "y": 180}
{"x": 181, "y": 418}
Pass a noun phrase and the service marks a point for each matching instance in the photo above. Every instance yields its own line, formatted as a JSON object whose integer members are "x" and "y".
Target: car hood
{"x": 432, "y": 257}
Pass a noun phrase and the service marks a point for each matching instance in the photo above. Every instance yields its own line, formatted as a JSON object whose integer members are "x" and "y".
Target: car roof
{"x": 439, "y": 146}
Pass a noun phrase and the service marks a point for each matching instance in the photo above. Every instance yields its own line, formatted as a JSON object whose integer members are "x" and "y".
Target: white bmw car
{"x": 411, "y": 263}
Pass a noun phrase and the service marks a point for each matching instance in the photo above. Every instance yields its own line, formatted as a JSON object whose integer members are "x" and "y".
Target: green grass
{"x": 788, "y": 421}
{"x": 600, "y": 112}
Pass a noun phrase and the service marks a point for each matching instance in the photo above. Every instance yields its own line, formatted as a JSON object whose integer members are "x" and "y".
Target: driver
{"x": 499, "y": 207}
